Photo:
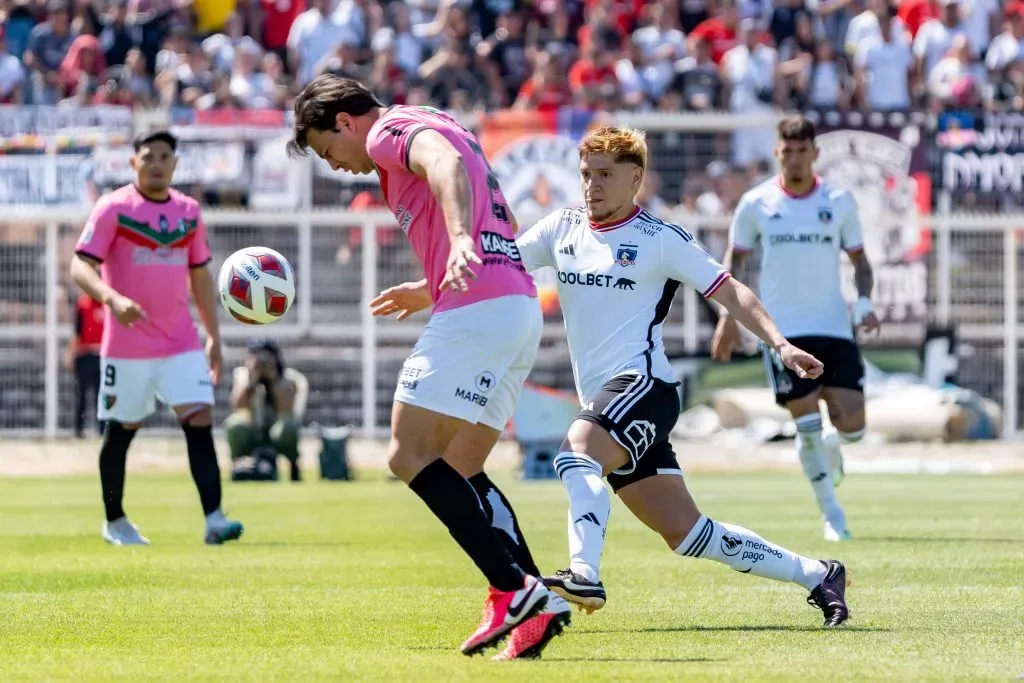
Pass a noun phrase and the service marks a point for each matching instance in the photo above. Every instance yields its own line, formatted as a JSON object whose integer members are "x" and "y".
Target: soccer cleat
{"x": 123, "y": 532}
{"x": 834, "y": 450}
{"x": 530, "y": 638}
{"x": 588, "y": 596}
{"x": 836, "y": 534}
{"x": 503, "y": 611}
{"x": 830, "y": 595}
{"x": 220, "y": 529}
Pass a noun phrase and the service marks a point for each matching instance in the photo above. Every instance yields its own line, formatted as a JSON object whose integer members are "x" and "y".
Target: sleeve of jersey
{"x": 99, "y": 232}
{"x": 852, "y": 233}
{"x": 743, "y": 231}
{"x": 534, "y": 243}
{"x": 685, "y": 261}
{"x": 390, "y": 141}
{"x": 199, "y": 248}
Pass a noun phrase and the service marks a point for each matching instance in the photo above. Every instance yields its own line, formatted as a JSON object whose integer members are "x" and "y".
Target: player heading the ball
{"x": 459, "y": 387}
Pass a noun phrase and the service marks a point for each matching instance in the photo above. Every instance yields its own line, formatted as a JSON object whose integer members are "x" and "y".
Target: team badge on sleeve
{"x": 626, "y": 255}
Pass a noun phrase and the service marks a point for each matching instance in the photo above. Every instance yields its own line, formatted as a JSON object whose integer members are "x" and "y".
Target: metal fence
{"x": 969, "y": 276}
{"x": 974, "y": 282}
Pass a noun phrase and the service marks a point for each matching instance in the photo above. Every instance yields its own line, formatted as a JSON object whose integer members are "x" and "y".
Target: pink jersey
{"x": 419, "y": 213}
{"x": 147, "y": 249}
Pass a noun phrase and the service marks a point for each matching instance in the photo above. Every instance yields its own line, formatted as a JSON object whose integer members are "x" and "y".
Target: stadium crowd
{"x": 739, "y": 55}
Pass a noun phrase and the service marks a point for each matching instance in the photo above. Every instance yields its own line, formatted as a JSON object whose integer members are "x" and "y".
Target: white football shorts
{"x": 471, "y": 362}
{"x": 129, "y": 387}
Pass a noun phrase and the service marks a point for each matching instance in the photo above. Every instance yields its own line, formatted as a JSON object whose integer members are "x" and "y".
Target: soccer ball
{"x": 256, "y": 285}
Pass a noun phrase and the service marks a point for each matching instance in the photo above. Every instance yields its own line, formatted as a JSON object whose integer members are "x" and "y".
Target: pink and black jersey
{"x": 420, "y": 216}
{"x": 147, "y": 249}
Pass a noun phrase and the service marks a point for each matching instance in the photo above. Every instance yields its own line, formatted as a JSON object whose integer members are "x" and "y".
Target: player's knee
{"x": 197, "y": 416}
{"x": 851, "y": 431}
{"x": 406, "y": 462}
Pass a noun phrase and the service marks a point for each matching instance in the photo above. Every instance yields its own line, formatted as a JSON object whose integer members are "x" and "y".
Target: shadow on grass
{"x": 738, "y": 629}
{"x": 656, "y": 660}
{"x": 294, "y": 544}
{"x": 938, "y": 539}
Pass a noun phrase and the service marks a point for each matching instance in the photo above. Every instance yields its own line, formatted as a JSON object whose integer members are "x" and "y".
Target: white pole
{"x": 943, "y": 259}
{"x": 1010, "y": 340}
{"x": 369, "y": 348}
{"x": 305, "y": 236}
{"x": 52, "y": 364}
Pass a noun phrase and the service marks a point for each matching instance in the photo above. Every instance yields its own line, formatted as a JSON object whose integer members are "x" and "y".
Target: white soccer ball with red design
{"x": 257, "y": 285}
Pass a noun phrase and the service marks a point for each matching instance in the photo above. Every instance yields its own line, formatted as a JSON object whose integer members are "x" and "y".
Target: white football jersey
{"x": 615, "y": 287}
{"x": 801, "y": 242}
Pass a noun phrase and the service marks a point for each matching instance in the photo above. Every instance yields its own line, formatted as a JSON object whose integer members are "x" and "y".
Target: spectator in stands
{"x": 313, "y": 36}
{"x": 12, "y": 73}
{"x": 592, "y": 78}
{"x": 982, "y": 22}
{"x": 957, "y": 79}
{"x": 83, "y": 64}
{"x": 698, "y": 79}
{"x": 503, "y": 59}
{"x": 1008, "y": 46}
{"x": 885, "y": 68}
{"x": 934, "y": 39}
{"x": 662, "y": 44}
{"x": 263, "y": 403}
{"x": 47, "y": 45}
{"x": 117, "y": 36}
{"x": 719, "y": 31}
{"x": 83, "y": 359}
{"x": 750, "y": 72}
{"x": 547, "y": 89}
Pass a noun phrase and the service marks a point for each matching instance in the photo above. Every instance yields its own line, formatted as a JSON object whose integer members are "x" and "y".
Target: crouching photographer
{"x": 262, "y": 424}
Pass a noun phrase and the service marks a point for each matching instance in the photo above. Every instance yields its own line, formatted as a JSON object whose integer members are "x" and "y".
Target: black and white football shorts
{"x": 844, "y": 368}
{"x": 639, "y": 412}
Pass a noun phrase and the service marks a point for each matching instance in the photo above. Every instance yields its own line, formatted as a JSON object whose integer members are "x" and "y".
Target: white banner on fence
{"x": 50, "y": 180}
{"x": 276, "y": 179}
{"x": 197, "y": 163}
{"x": 49, "y": 120}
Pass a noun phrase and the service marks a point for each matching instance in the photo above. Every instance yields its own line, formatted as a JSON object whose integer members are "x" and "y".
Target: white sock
{"x": 811, "y": 449}
{"x": 589, "y": 508}
{"x": 748, "y": 553}
{"x": 215, "y": 518}
{"x": 852, "y": 437}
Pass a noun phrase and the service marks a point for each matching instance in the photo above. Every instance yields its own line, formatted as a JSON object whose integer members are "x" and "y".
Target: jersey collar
{"x": 605, "y": 227}
{"x": 805, "y": 195}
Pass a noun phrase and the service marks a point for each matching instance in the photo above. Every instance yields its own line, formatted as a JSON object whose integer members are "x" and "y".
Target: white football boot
{"x": 123, "y": 532}
{"x": 220, "y": 529}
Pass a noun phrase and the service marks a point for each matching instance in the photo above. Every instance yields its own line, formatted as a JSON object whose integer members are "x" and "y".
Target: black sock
{"x": 515, "y": 543}
{"x": 113, "y": 459}
{"x": 202, "y": 460}
{"x": 453, "y": 501}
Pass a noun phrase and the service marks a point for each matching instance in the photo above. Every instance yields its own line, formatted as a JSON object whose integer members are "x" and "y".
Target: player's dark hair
{"x": 796, "y": 128}
{"x": 318, "y": 105}
{"x": 156, "y": 136}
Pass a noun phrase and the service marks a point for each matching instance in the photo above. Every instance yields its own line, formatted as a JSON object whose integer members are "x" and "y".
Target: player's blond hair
{"x": 626, "y": 145}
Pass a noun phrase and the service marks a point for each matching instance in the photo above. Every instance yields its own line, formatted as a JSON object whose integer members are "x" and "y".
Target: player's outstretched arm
{"x": 404, "y": 299}
{"x": 205, "y": 295}
{"x": 864, "y": 316}
{"x": 727, "y": 333}
{"x": 747, "y": 309}
{"x": 85, "y": 274}
{"x": 436, "y": 160}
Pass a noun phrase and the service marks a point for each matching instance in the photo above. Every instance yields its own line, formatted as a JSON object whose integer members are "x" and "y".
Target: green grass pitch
{"x": 357, "y": 581}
